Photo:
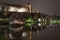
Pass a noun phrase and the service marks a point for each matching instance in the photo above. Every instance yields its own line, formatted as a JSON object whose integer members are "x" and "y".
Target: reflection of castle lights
{"x": 55, "y": 21}
{"x": 29, "y": 22}
{"x": 24, "y": 34}
{"x": 43, "y": 19}
{"x": 39, "y": 24}
{"x": 43, "y": 24}
{"x": 39, "y": 19}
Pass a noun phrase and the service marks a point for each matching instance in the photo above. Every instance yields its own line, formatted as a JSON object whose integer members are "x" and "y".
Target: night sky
{"x": 49, "y": 7}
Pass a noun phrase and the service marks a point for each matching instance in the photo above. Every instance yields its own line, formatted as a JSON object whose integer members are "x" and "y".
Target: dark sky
{"x": 49, "y": 7}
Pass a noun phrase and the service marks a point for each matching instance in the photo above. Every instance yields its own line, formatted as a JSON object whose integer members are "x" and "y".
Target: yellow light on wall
{"x": 22, "y": 10}
{"x": 13, "y": 9}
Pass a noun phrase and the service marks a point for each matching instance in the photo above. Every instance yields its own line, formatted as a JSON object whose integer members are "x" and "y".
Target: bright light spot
{"x": 39, "y": 19}
{"x": 39, "y": 24}
{"x": 24, "y": 34}
{"x": 22, "y": 10}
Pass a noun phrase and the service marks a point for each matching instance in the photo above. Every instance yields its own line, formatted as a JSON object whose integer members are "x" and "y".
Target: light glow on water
{"x": 39, "y": 24}
{"x": 55, "y": 21}
{"x": 29, "y": 22}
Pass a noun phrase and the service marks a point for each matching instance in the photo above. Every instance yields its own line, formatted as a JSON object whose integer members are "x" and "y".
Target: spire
{"x": 29, "y": 7}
